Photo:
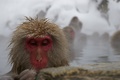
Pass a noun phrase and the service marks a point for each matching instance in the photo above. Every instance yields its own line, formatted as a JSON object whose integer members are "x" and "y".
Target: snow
{"x": 114, "y": 13}
{"x": 12, "y": 13}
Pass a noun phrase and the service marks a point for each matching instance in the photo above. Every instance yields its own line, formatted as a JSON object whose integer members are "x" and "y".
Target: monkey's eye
{"x": 45, "y": 42}
{"x": 32, "y": 42}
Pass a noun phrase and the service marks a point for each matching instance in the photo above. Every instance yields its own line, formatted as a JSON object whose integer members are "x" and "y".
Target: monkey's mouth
{"x": 39, "y": 60}
{"x": 39, "y": 63}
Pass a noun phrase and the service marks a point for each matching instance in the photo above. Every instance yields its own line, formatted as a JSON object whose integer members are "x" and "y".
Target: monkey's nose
{"x": 38, "y": 57}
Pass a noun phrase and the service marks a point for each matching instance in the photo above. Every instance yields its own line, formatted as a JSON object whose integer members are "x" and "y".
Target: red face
{"x": 38, "y": 49}
{"x": 72, "y": 33}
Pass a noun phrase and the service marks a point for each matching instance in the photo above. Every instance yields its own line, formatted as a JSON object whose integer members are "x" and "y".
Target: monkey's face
{"x": 72, "y": 33}
{"x": 38, "y": 50}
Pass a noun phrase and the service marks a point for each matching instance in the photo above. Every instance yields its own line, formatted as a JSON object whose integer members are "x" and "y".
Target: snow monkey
{"x": 71, "y": 31}
{"x": 36, "y": 44}
{"x": 115, "y": 42}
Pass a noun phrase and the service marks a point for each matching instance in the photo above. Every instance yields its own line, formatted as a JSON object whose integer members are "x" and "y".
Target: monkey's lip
{"x": 39, "y": 64}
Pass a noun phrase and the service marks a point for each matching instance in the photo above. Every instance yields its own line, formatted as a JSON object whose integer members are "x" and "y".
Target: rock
{"x": 103, "y": 71}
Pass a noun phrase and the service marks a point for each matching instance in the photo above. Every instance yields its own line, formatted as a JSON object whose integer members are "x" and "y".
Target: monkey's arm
{"x": 9, "y": 76}
{"x": 24, "y": 75}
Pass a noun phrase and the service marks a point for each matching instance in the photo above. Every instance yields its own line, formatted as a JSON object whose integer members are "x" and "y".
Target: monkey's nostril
{"x": 39, "y": 60}
{"x": 38, "y": 57}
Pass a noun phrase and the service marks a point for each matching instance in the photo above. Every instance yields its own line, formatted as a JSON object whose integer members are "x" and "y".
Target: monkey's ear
{"x": 75, "y": 19}
{"x": 75, "y": 23}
